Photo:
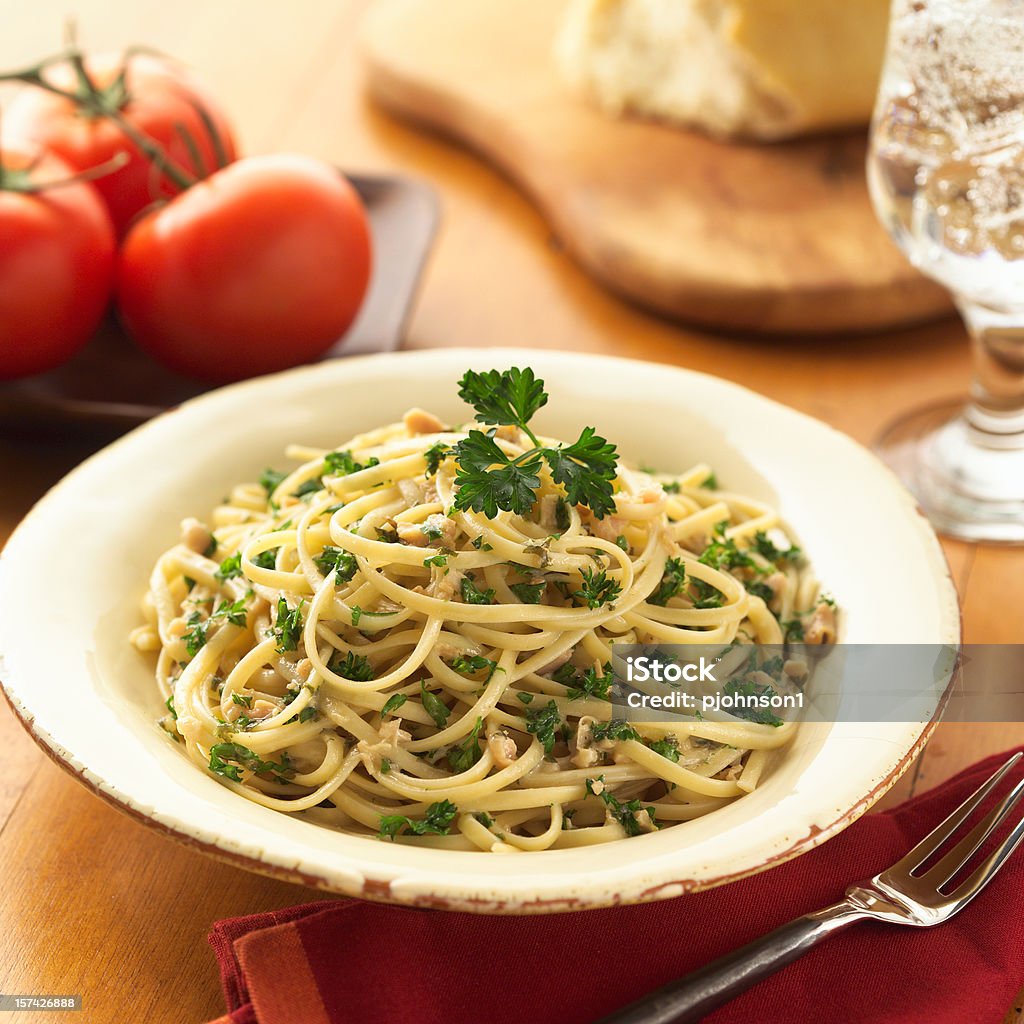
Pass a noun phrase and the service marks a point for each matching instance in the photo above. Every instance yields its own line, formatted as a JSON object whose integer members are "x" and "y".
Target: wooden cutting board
{"x": 777, "y": 238}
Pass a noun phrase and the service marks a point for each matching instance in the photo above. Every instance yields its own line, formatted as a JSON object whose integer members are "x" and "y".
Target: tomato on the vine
{"x": 160, "y": 98}
{"x": 56, "y": 263}
{"x": 262, "y": 266}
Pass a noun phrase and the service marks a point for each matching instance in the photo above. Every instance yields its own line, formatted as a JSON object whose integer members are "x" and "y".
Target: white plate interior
{"x": 73, "y": 574}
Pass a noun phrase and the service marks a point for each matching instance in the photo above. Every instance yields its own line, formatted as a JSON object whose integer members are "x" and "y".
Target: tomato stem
{"x": 96, "y": 103}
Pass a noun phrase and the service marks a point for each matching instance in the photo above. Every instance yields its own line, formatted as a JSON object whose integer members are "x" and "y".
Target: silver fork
{"x": 902, "y": 894}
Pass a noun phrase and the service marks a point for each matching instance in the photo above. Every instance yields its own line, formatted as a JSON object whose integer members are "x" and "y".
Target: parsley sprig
{"x": 488, "y": 479}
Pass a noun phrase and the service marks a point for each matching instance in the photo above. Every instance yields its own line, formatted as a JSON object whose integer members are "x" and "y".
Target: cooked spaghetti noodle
{"x": 345, "y": 644}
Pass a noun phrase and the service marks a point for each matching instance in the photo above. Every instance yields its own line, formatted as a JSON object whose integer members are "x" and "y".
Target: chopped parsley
{"x": 710, "y": 482}
{"x": 747, "y": 688}
{"x": 434, "y": 706}
{"x": 667, "y": 747}
{"x": 270, "y": 480}
{"x": 169, "y": 704}
{"x": 230, "y": 567}
{"x": 621, "y": 542}
{"x": 615, "y": 730}
{"x": 234, "y": 612}
{"x": 464, "y": 755}
{"x": 266, "y": 559}
{"x": 793, "y": 631}
{"x": 436, "y": 821}
{"x": 585, "y": 684}
{"x": 624, "y": 813}
{"x": 352, "y": 666}
{"x": 430, "y": 530}
{"x": 722, "y": 553}
{"x": 195, "y": 635}
{"x": 308, "y": 487}
{"x": 471, "y": 595}
{"x": 528, "y": 593}
{"x": 342, "y": 464}
{"x": 288, "y": 627}
{"x": 706, "y": 596}
{"x": 393, "y": 703}
{"x": 227, "y": 759}
{"x": 481, "y": 545}
{"x": 439, "y": 560}
{"x": 672, "y": 582}
{"x": 338, "y": 561}
{"x": 544, "y": 723}
{"x": 766, "y": 549}
{"x": 470, "y": 664}
{"x": 435, "y": 455}
{"x": 243, "y": 700}
{"x": 597, "y": 589}
{"x": 761, "y": 590}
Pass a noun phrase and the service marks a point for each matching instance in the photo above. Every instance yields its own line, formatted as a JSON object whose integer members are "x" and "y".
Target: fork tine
{"x": 951, "y": 863}
{"x": 984, "y": 873}
{"x": 938, "y": 835}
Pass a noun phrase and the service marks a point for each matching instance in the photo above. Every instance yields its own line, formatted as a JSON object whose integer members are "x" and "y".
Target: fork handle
{"x": 691, "y": 997}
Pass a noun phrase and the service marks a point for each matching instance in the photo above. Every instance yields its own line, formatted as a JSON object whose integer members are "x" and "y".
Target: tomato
{"x": 56, "y": 265}
{"x": 155, "y": 95}
{"x": 262, "y": 266}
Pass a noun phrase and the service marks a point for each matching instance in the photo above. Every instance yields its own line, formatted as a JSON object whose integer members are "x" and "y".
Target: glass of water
{"x": 946, "y": 173}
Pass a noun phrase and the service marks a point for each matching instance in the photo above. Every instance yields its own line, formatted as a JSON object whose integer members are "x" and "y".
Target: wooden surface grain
{"x": 751, "y": 237}
{"x": 95, "y": 903}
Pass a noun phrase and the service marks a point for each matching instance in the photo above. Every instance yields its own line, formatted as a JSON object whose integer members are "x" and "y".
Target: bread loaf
{"x": 762, "y": 69}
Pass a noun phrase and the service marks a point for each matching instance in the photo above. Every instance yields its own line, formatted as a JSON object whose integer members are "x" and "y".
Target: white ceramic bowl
{"x": 73, "y": 573}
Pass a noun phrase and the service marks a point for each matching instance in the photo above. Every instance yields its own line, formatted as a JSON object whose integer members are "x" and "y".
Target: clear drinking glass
{"x": 946, "y": 173}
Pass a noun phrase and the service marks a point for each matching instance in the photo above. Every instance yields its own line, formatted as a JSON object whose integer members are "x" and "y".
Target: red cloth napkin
{"x": 349, "y": 962}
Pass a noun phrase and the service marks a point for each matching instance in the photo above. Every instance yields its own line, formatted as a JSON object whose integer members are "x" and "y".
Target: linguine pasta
{"x": 346, "y": 644}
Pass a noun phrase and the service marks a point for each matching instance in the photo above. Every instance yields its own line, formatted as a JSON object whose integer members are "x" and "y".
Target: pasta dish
{"x": 409, "y": 636}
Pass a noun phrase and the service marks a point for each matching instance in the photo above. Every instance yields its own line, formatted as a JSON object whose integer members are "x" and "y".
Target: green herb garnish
{"x": 393, "y": 703}
{"x": 436, "y": 821}
{"x": 667, "y": 747}
{"x": 471, "y": 595}
{"x": 434, "y": 706}
{"x": 228, "y": 759}
{"x": 230, "y": 567}
{"x": 352, "y": 666}
{"x": 288, "y": 627}
{"x": 543, "y": 723}
{"x": 435, "y": 455}
{"x": 270, "y": 480}
{"x": 624, "y": 813}
{"x": 615, "y": 730}
{"x": 489, "y": 480}
{"x": 597, "y": 589}
{"x": 528, "y": 593}
{"x": 338, "y": 561}
{"x": 464, "y": 755}
{"x": 470, "y": 664}
{"x": 672, "y": 582}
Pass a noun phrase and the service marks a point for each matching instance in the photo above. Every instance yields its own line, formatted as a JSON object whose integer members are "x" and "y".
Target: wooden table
{"x": 92, "y": 902}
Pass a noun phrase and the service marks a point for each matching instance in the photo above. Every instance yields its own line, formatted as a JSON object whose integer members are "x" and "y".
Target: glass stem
{"x": 995, "y": 412}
